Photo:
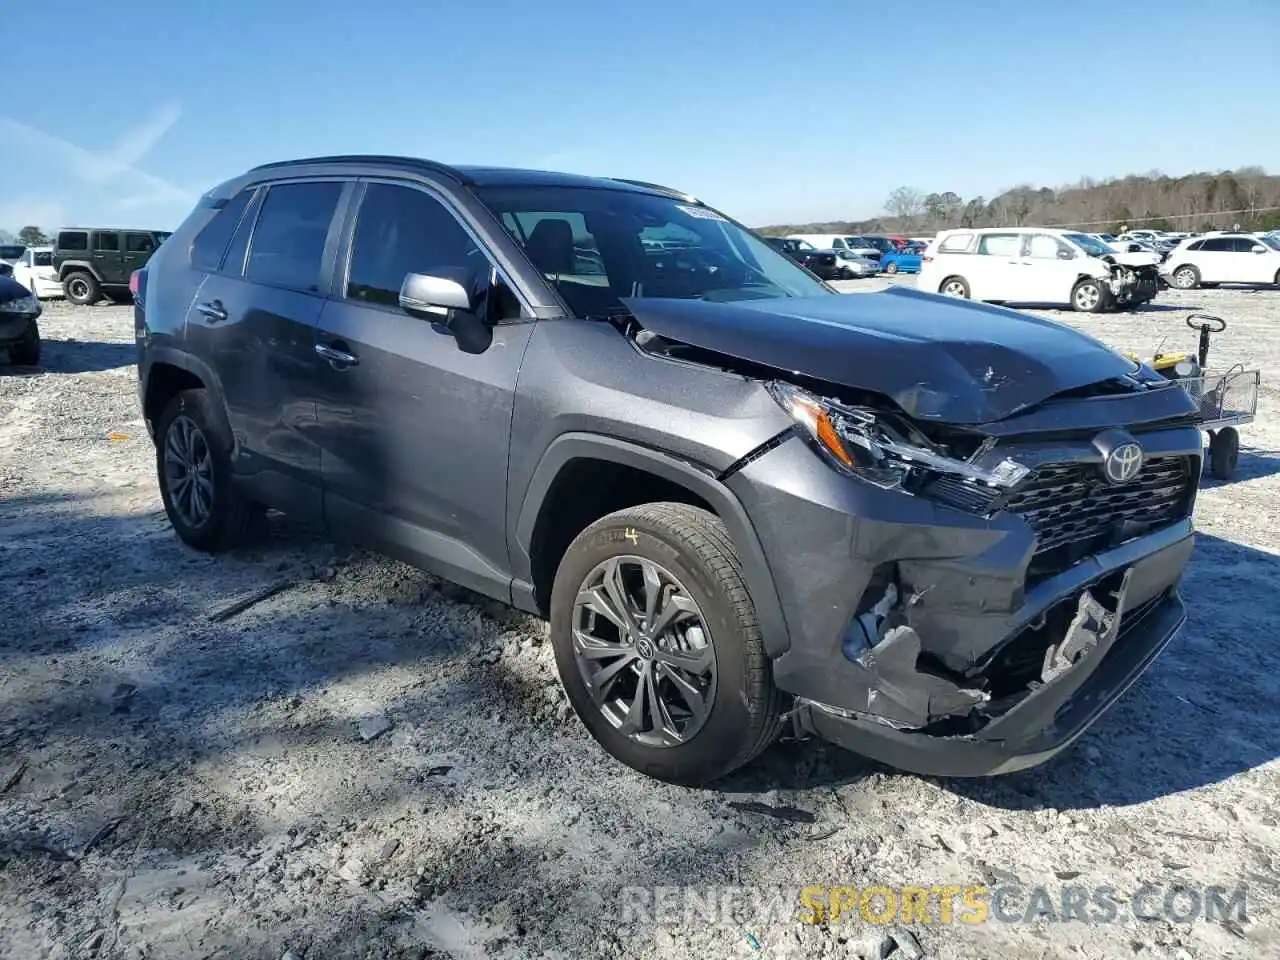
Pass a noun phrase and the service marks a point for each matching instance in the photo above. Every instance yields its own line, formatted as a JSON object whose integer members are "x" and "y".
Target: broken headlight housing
{"x": 879, "y": 447}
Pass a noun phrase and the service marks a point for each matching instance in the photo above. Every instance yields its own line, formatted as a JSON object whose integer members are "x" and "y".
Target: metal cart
{"x": 1227, "y": 399}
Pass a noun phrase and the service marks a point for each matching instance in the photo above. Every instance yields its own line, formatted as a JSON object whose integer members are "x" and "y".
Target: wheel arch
{"x": 168, "y": 373}
{"x": 78, "y": 266}
{"x": 554, "y": 511}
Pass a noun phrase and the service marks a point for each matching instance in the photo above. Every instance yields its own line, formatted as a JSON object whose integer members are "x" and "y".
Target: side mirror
{"x": 1065, "y": 254}
{"x": 1259, "y": 248}
{"x": 446, "y": 299}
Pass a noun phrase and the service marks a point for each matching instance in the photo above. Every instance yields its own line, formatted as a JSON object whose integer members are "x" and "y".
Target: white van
{"x": 1040, "y": 265}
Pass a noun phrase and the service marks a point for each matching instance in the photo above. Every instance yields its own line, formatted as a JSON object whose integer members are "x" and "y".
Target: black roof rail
{"x": 410, "y": 162}
{"x": 670, "y": 191}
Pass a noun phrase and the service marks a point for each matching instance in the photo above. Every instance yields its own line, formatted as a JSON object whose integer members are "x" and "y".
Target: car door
{"x": 413, "y": 432}
{"x": 1216, "y": 260}
{"x": 138, "y": 247}
{"x": 1049, "y": 270}
{"x": 108, "y": 258}
{"x": 254, "y": 319}
{"x": 996, "y": 273}
{"x": 1255, "y": 264}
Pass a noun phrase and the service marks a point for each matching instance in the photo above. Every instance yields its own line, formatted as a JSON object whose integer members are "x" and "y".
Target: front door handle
{"x": 337, "y": 358}
{"x": 213, "y": 310}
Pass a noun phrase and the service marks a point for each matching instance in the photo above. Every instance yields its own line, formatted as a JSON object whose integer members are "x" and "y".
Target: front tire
{"x": 1224, "y": 453}
{"x": 26, "y": 352}
{"x": 193, "y": 466}
{"x": 1089, "y": 296}
{"x": 658, "y": 646}
{"x": 82, "y": 288}
{"x": 1185, "y": 277}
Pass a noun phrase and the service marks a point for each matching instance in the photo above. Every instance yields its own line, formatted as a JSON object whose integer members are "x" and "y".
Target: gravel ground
{"x": 372, "y": 763}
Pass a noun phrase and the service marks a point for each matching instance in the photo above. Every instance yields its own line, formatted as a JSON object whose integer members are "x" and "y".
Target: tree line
{"x": 1247, "y": 198}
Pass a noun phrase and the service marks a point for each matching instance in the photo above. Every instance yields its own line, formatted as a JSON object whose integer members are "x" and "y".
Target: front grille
{"x": 1070, "y": 503}
{"x": 1075, "y": 511}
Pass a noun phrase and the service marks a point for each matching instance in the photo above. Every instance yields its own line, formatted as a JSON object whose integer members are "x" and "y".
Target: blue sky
{"x": 774, "y": 111}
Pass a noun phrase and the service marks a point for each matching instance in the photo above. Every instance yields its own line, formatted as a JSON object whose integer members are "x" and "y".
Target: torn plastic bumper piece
{"x": 1103, "y": 650}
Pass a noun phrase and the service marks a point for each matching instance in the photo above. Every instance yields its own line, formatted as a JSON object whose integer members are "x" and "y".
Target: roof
{"x": 480, "y": 176}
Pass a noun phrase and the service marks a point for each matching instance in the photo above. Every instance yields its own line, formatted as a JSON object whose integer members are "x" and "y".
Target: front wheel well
{"x": 585, "y": 490}
{"x": 164, "y": 382}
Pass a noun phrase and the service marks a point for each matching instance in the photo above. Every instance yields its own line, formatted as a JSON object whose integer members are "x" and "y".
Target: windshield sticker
{"x": 701, "y": 213}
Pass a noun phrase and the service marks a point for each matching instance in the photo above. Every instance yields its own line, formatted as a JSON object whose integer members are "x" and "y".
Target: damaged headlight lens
{"x": 879, "y": 447}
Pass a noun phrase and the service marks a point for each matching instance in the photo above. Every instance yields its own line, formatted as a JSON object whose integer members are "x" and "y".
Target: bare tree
{"x": 905, "y": 203}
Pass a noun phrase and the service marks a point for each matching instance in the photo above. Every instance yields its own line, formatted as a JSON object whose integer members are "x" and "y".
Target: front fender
{"x": 700, "y": 481}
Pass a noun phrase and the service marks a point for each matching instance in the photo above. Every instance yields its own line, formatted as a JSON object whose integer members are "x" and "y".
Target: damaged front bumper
{"x": 1112, "y": 636}
{"x": 929, "y": 638}
{"x": 1132, "y": 284}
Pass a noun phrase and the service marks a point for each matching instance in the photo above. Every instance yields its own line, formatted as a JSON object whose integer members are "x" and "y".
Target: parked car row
{"x": 84, "y": 264}
{"x": 840, "y": 257}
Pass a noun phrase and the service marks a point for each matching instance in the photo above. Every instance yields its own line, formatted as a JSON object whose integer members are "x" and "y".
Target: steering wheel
{"x": 1212, "y": 325}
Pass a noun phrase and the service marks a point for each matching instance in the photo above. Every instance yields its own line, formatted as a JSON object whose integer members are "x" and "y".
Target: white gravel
{"x": 375, "y": 764}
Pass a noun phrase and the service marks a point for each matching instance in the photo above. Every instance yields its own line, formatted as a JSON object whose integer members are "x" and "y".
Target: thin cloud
{"x": 117, "y": 164}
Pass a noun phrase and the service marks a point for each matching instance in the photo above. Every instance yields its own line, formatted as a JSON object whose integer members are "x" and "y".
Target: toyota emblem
{"x": 1123, "y": 463}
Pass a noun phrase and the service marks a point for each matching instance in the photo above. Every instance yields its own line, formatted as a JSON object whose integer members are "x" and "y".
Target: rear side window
{"x": 106, "y": 241}
{"x": 956, "y": 243}
{"x": 73, "y": 240}
{"x": 211, "y": 242}
{"x": 1000, "y": 244}
{"x": 400, "y": 231}
{"x": 288, "y": 240}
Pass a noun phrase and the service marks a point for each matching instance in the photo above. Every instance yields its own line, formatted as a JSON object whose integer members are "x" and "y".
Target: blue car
{"x": 901, "y": 261}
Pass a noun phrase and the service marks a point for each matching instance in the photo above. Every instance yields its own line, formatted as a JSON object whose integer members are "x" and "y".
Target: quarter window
{"x": 106, "y": 241}
{"x": 400, "y": 231}
{"x": 211, "y": 242}
{"x": 1000, "y": 244}
{"x": 956, "y": 243}
{"x": 288, "y": 241}
{"x": 73, "y": 240}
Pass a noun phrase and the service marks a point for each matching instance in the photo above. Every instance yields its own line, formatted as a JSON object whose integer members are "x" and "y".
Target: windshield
{"x": 1090, "y": 245}
{"x": 1271, "y": 242}
{"x": 597, "y": 247}
{"x": 42, "y": 258}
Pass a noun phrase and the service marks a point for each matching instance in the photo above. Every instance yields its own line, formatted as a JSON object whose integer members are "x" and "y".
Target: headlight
{"x": 21, "y": 305}
{"x": 879, "y": 447}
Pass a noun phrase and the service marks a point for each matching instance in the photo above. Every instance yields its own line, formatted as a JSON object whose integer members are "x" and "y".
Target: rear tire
{"x": 954, "y": 287}
{"x": 891, "y": 268}
{"x": 1185, "y": 277}
{"x": 697, "y": 565}
{"x": 82, "y": 288}
{"x": 26, "y": 352}
{"x": 208, "y": 512}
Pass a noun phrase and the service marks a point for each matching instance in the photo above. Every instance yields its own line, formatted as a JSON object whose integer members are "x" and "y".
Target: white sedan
{"x": 34, "y": 270}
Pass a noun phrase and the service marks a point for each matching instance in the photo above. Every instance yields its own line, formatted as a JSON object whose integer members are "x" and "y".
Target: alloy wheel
{"x": 1184, "y": 279}
{"x": 644, "y": 652}
{"x": 188, "y": 470}
{"x": 953, "y": 288}
{"x": 78, "y": 289}
{"x": 1087, "y": 296}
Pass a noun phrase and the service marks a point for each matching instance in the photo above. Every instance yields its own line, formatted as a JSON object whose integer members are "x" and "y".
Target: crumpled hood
{"x": 1137, "y": 259}
{"x": 938, "y": 358}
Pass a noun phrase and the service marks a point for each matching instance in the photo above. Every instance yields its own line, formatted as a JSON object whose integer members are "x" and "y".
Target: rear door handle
{"x": 337, "y": 358}
{"x": 213, "y": 310}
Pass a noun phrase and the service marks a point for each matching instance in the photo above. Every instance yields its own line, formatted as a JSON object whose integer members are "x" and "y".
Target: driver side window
{"x": 402, "y": 230}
